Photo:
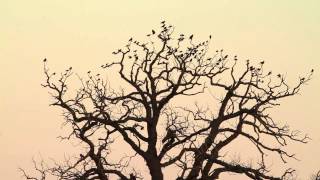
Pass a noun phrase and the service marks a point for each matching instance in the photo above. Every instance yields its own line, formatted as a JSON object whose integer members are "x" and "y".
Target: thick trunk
{"x": 152, "y": 159}
{"x": 155, "y": 169}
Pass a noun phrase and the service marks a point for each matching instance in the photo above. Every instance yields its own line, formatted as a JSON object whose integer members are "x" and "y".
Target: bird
{"x": 191, "y": 37}
{"x": 130, "y": 39}
{"x": 162, "y": 22}
{"x": 153, "y": 32}
{"x": 45, "y": 59}
{"x": 132, "y": 177}
{"x": 171, "y": 135}
{"x": 312, "y": 70}
{"x": 210, "y": 37}
{"x": 89, "y": 72}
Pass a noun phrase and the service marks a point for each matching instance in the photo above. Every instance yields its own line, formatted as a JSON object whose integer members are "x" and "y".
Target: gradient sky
{"x": 83, "y": 33}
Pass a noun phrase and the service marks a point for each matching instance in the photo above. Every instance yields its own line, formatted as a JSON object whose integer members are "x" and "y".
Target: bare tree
{"x": 147, "y": 117}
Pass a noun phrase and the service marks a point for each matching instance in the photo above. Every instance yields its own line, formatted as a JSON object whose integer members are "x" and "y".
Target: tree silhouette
{"x": 147, "y": 117}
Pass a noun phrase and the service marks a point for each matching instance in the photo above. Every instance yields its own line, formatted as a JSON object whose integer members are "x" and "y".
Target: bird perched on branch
{"x": 170, "y": 136}
{"x": 132, "y": 177}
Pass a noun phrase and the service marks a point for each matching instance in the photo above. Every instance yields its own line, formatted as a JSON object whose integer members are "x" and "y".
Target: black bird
{"x": 210, "y": 37}
{"x": 153, "y": 32}
{"x": 312, "y": 70}
{"x": 162, "y": 22}
{"x": 171, "y": 135}
{"x": 45, "y": 59}
{"x": 191, "y": 37}
{"x": 132, "y": 177}
{"x": 130, "y": 39}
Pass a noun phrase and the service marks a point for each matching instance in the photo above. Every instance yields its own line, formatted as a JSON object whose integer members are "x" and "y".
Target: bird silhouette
{"x": 132, "y": 177}
{"x": 171, "y": 135}
{"x": 130, "y": 39}
{"x": 153, "y": 32}
{"x": 210, "y": 37}
{"x": 191, "y": 37}
{"x": 45, "y": 60}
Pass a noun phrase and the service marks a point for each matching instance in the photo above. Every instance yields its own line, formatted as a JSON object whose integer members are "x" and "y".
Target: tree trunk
{"x": 155, "y": 169}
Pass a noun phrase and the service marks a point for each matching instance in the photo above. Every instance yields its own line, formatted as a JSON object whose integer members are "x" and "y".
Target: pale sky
{"x": 83, "y": 33}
